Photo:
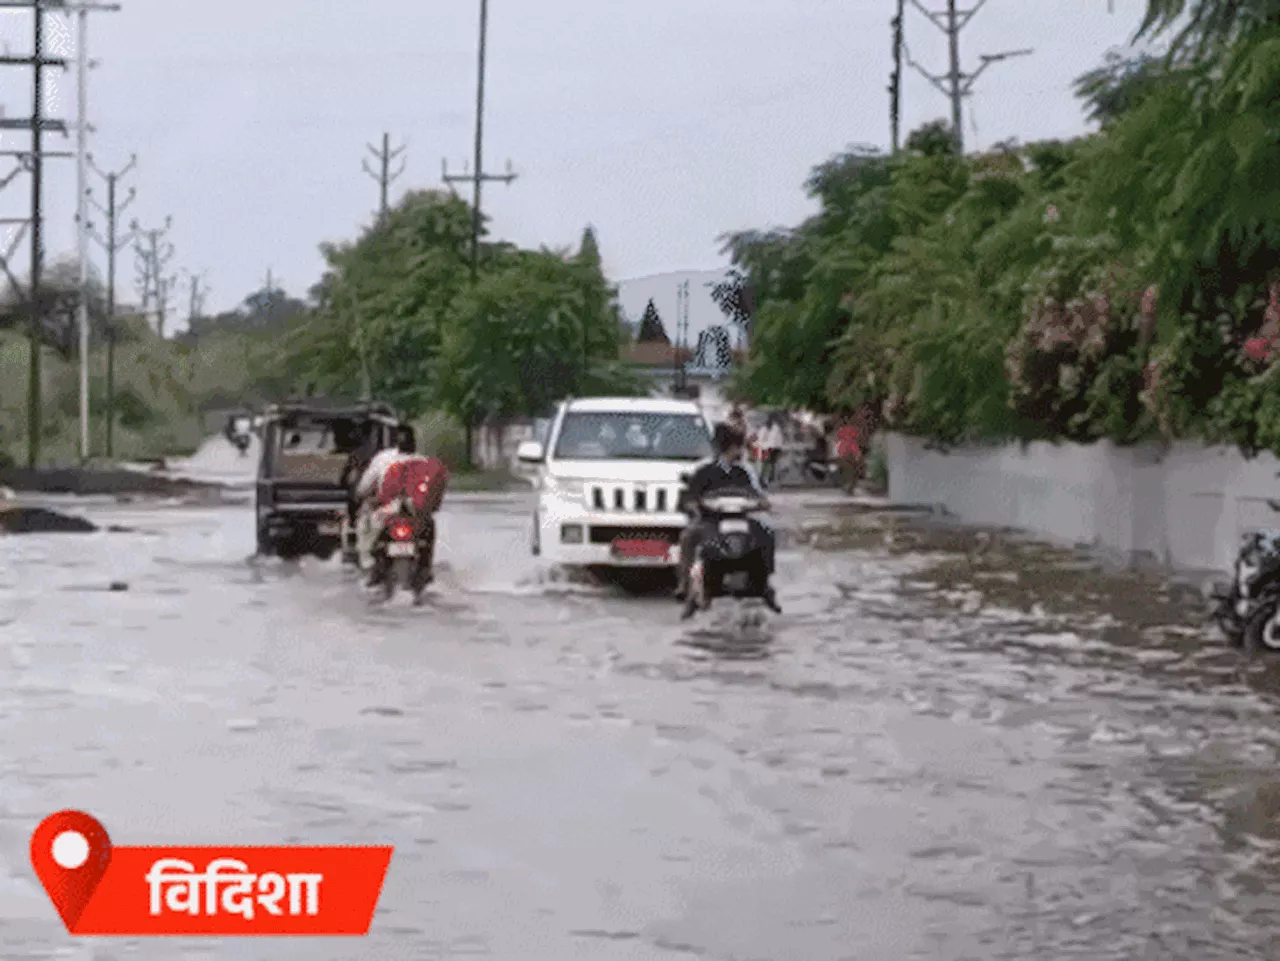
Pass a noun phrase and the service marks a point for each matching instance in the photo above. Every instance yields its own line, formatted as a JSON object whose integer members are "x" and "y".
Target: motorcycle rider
{"x": 369, "y": 526}
{"x": 727, "y": 470}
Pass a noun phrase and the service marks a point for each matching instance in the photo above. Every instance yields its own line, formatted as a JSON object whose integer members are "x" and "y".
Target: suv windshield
{"x": 622, "y": 436}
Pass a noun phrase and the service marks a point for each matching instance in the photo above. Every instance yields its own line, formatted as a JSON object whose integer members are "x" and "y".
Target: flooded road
{"x": 940, "y": 750}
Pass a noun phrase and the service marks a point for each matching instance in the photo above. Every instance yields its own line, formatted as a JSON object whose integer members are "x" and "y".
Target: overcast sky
{"x": 663, "y": 123}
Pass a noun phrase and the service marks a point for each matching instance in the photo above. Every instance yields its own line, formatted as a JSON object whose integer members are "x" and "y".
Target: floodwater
{"x": 946, "y": 747}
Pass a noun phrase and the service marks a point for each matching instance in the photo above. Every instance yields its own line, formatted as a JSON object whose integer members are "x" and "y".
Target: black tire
{"x": 265, "y": 547}
{"x": 402, "y": 574}
{"x": 383, "y": 577}
{"x": 1260, "y": 635}
{"x": 291, "y": 548}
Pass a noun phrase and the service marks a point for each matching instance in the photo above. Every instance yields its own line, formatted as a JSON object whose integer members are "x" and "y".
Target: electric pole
{"x": 269, "y": 303}
{"x": 196, "y": 298}
{"x": 156, "y": 283}
{"x": 83, "y": 129}
{"x": 895, "y": 81}
{"x": 479, "y": 177}
{"x": 682, "y": 340}
{"x": 33, "y": 160}
{"x": 956, "y": 84}
{"x": 383, "y": 174}
{"x": 112, "y": 245}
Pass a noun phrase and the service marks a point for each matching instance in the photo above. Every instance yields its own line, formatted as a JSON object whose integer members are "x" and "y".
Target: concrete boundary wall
{"x": 1185, "y": 505}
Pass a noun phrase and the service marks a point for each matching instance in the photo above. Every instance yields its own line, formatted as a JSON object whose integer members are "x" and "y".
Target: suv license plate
{"x": 401, "y": 549}
{"x": 654, "y": 549}
{"x": 734, "y": 527}
{"x": 329, "y": 527}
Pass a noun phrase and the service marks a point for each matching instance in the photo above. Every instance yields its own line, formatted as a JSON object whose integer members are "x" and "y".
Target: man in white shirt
{"x": 367, "y": 528}
{"x": 771, "y": 442}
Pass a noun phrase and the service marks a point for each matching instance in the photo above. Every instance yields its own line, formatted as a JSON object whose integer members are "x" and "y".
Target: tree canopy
{"x": 1100, "y": 287}
{"x": 399, "y": 305}
{"x": 652, "y": 330}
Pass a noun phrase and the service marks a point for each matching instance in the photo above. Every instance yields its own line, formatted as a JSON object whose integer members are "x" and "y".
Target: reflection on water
{"x": 951, "y": 746}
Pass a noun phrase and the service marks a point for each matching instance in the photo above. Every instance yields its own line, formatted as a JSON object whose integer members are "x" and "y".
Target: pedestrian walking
{"x": 771, "y": 441}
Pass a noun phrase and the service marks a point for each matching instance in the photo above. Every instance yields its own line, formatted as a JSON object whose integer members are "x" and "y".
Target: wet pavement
{"x": 950, "y": 746}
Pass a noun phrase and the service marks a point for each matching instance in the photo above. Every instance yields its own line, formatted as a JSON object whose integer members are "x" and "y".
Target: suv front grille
{"x": 633, "y": 498}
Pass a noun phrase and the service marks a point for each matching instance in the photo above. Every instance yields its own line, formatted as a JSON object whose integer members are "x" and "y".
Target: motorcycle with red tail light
{"x": 402, "y": 553}
{"x": 403, "y": 550}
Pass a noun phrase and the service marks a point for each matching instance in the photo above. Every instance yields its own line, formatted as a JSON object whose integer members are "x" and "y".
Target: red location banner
{"x": 99, "y": 889}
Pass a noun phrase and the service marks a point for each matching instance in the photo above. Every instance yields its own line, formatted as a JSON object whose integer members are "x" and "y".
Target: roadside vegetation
{"x": 1123, "y": 285}
{"x": 397, "y": 312}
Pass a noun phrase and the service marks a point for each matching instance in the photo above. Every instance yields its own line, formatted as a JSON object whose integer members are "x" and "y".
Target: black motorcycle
{"x": 732, "y": 559}
{"x": 402, "y": 554}
{"x": 1247, "y": 609}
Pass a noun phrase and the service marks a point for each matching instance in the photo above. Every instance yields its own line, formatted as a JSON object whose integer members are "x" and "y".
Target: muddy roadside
{"x": 1151, "y": 611}
{"x": 29, "y": 499}
{"x": 98, "y": 482}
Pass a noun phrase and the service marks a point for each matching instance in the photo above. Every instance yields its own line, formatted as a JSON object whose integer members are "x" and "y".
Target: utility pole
{"x": 682, "y": 339}
{"x": 895, "y": 81}
{"x": 83, "y": 65}
{"x": 153, "y": 261}
{"x": 112, "y": 245}
{"x": 33, "y": 160}
{"x": 195, "y": 304}
{"x": 383, "y": 174}
{"x": 956, "y": 84}
{"x": 269, "y": 290}
{"x": 479, "y": 177}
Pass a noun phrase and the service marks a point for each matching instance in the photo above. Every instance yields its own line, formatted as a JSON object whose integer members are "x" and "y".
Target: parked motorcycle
{"x": 731, "y": 561}
{"x": 837, "y": 473}
{"x": 401, "y": 553}
{"x": 1247, "y": 608}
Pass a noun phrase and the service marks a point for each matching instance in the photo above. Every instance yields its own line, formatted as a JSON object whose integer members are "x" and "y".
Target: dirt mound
{"x": 89, "y": 482}
{"x": 40, "y": 520}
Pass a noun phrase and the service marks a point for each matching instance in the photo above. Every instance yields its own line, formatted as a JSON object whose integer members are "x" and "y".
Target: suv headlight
{"x": 563, "y": 486}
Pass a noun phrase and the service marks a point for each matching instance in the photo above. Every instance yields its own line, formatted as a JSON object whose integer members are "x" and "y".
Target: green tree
{"x": 652, "y": 330}
{"x": 514, "y": 344}
{"x": 383, "y": 301}
{"x": 59, "y": 308}
{"x": 1207, "y": 26}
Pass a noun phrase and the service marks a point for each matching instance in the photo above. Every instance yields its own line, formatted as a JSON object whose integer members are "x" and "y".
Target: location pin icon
{"x": 70, "y": 852}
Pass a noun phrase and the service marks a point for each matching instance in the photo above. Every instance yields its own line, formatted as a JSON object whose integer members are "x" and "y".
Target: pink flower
{"x": 1259, "y": 348}
{"x": 1051, "y": 214}
{"x": 1151, "y": 376}
{"x": 1149, "y": 301}
{"x": 1272, "y": 314}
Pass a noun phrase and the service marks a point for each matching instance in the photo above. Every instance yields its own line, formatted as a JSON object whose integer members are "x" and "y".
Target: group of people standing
{"x": 834, "y": 444}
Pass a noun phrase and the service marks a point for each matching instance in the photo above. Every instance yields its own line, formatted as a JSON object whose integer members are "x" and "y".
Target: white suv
{"x": 609, "y": 480}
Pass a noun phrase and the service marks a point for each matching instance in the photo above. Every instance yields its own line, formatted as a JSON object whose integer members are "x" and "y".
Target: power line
{"x": 112, "y": 245}
{"x": 956, "y": 84}
{"x": 383, "y": 174}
